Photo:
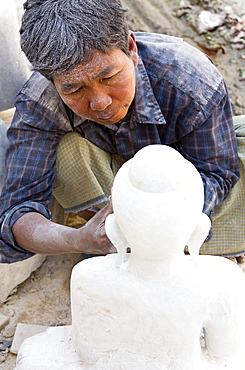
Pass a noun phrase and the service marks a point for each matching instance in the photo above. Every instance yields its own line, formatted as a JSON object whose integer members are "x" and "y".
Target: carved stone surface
{"x": 148, "y": 309}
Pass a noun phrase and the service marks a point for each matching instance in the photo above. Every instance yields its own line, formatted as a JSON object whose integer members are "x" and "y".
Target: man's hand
{"x": 93, "y": 236}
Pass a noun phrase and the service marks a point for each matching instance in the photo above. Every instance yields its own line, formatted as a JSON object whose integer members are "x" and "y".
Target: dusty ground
{"x": 43, "y": 299}
{"x": 225, "y": 44}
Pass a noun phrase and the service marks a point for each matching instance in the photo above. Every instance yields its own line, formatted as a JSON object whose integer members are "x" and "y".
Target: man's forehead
{"x": 99, "y": 66}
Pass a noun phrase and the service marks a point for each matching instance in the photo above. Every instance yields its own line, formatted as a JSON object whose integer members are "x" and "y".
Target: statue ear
{"x": 199, "y": 235}
{"x": 117, "y": 238}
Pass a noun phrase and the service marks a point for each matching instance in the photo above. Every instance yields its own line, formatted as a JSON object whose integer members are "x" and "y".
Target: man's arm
{"x": 25, "y": 225}
{"x": 212, "y": 148}
{"x": 37, "y": 234}
{"x": 29, "y": 177}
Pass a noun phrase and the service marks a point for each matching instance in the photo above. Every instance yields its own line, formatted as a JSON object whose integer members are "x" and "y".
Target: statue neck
{"x": 144, "y": 267}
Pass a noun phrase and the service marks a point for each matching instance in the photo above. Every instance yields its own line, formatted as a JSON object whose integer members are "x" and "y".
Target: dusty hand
{"x": 92, "y": 236}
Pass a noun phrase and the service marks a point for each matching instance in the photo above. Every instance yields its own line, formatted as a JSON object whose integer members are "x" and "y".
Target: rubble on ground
{"x": 221, "y": 20}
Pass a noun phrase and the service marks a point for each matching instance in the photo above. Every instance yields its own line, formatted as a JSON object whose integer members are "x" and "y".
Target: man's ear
{"x": 132, "y": 47}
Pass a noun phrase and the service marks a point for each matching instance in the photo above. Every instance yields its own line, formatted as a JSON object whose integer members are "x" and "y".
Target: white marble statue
{"x": 148, "y": 309}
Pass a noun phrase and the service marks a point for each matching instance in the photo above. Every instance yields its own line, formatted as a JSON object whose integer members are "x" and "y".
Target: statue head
{"x": 158, "y": 199}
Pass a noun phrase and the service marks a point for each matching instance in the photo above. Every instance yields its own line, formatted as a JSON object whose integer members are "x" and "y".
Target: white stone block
{"x": 13, "y": 274}
{"x": 24, "y": 331}
{"x": 52, "y": 350}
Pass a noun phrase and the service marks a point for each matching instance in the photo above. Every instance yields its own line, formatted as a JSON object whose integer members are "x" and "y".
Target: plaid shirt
{"x": 181, "y": 101}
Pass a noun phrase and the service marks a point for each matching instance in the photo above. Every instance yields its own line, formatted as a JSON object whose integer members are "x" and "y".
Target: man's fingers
{"x": 97, "y": 241}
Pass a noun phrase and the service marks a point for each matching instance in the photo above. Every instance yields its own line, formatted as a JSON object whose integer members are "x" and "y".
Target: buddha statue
{"x": 155, "y": 307}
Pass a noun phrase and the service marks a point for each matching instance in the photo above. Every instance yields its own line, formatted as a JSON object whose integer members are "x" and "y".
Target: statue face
{"x": 103, "y": 89}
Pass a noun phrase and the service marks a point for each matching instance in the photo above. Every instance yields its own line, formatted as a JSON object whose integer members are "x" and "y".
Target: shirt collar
{"x": 146, "y": 108}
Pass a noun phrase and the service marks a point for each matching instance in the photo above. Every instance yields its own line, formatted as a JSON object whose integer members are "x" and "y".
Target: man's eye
{"x": 77, "y": 90}
{"x": 107, "y": 78}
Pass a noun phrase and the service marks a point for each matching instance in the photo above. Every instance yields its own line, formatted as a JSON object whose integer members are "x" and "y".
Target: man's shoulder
{"x": 156, "y": 38}
{"x": 168, "y": 54}
{"x": 162, "y": 47}
{"x": 177, "y": 63}
{"x": 37, "y": 87}
{"x": 38, "y": 96}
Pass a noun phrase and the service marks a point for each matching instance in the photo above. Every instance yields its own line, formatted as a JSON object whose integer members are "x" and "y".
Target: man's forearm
{"x": 37, "y": 234}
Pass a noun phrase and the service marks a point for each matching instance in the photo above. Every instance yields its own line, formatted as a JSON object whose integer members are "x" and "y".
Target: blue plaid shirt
{"x": 181, "y": 100}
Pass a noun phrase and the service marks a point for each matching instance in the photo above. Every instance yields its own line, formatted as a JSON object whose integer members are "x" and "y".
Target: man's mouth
{"x": 106, "y": 116}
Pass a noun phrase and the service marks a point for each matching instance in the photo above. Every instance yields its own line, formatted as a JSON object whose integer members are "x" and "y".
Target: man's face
{"x": 103, "y": 89}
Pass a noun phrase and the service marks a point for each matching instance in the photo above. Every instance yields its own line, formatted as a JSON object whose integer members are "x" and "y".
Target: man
{"x": 100, "y": 94}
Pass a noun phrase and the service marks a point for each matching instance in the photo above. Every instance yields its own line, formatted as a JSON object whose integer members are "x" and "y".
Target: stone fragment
{"x": 24, "y": 331}
{"x": 3, "y": 320}
{"x": 7, "y": 115}
{"x": 240, "y": 100}
{"x": 9, "y": 331}
{"x": 13, "y": 274}
{"x": 2, "y": 358}
{"x": 208, "y": 21}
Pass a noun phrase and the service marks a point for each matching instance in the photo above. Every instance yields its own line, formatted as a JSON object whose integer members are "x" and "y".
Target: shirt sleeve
{"x": 30, "y": 171}
{"x": 212, "y": 148}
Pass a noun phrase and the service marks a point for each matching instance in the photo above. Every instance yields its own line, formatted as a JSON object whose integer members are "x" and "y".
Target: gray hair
{"x": 58, "y": 34}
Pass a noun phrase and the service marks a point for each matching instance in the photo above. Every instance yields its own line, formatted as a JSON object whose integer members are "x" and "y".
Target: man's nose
{"x": 99, "y": 100}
